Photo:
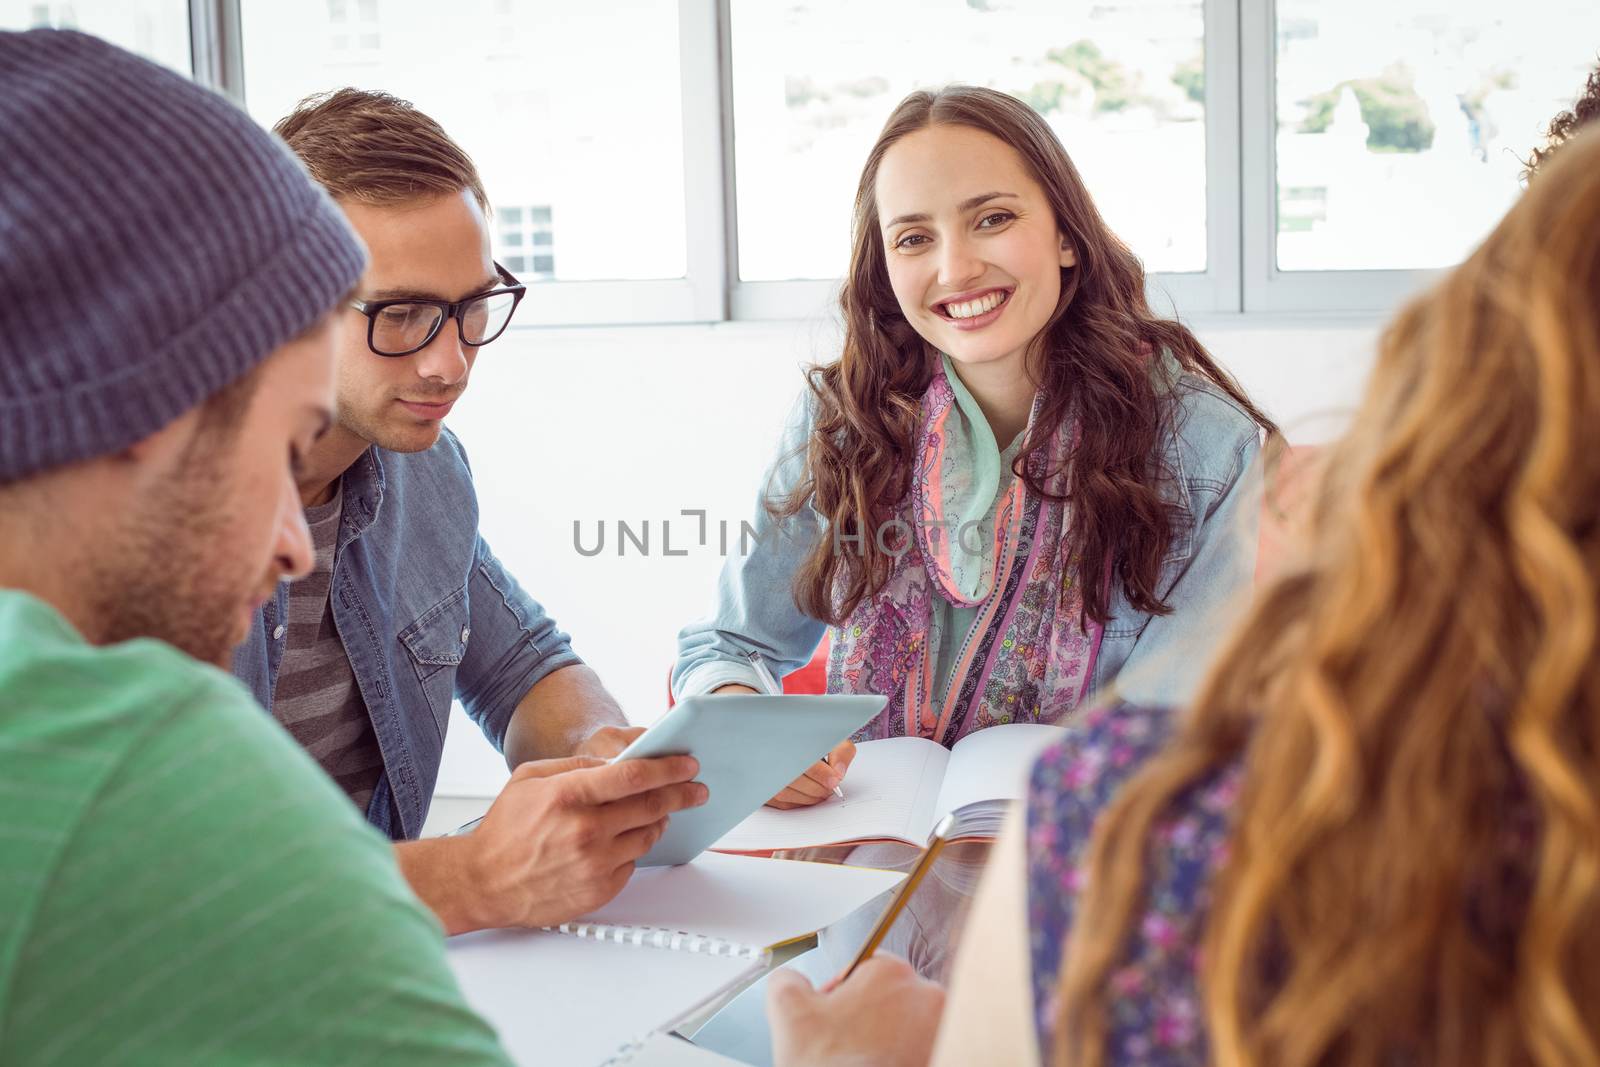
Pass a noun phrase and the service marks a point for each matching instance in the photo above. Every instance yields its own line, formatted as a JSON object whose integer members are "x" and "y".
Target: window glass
{"x": 1403, "y": 124}
{"x": 1122, "y": 82}
{"x": 572, "y": 110}
{"x": 155, "y": 29}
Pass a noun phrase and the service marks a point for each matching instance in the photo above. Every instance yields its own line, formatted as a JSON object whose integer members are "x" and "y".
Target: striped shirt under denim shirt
{"x": 317, "y": 699}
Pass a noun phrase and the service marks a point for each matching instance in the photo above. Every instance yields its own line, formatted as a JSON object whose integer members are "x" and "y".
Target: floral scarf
{"x": 1026, "y": 658}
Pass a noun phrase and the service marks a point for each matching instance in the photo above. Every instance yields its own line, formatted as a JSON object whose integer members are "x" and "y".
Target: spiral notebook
{"x": 675, "y": 940}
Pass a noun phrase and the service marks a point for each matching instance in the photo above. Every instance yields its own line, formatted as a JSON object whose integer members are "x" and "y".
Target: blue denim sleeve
{"x": 514, "y": 645}
{"x": 1210, "y": 589}
{"x": 756, "y": 609}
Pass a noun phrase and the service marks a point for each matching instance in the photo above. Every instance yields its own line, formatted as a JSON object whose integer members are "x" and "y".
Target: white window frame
{"x": 1268, "y": 290}
{"x": 216, "y": 46}
{"x": 1241, "y": 279}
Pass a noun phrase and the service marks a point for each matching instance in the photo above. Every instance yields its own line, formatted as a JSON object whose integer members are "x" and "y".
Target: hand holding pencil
{"x": 885, "y": 1016}
{"x": 877, "y": 1011}
{"x": 820, "y": 780}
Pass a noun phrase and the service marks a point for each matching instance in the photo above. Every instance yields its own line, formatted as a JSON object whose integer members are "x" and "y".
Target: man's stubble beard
{"x": 171, "y": 575}
{"x": 387, "y": 434}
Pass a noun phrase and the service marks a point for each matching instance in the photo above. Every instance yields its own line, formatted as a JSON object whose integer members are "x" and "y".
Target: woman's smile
{"x": 975, "y": 310}
{"x": 972, "y": 247}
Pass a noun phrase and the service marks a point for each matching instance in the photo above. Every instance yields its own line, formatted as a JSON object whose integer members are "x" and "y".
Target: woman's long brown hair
{"x": 1092, "y": 361}
{"x": 1420, "y": 683}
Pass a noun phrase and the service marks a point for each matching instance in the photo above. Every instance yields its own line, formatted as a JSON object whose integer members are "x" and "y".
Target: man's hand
{"x": 608, "y": 741}
{"x": 819, "y": 780}
{"x": 561, "y": 838}
{"x": 559, "y": 841}
{"x": 884, "y": 1016}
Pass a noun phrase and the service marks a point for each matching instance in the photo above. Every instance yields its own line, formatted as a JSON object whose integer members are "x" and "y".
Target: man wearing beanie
{"x": 178, "y": 882}
{"x": 406, "y": 609}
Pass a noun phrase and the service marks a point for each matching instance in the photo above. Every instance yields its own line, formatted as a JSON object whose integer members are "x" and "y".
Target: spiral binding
{"x": 625, "y": 1054}
{"x": 661, "y": 937}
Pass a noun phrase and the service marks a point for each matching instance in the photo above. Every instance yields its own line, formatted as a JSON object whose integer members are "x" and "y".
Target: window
{"x": 1402, "y": 124}
{"x": 503, "y": 29}
{"x": 701, "y": 155}
{"x": 155, "y": 29}
{"x": 353, "y": 28}
{"x": 579, "y": 112}
{"x": 1121, "y": 81}
{"x": 525, "y": 241}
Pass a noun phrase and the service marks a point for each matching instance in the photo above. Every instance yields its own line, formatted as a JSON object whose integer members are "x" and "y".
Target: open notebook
{"x": 674, "y": 940}
{"x": 898, "y": 789}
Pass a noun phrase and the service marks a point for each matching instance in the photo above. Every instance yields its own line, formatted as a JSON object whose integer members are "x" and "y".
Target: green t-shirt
{"x": 179, "y": 884}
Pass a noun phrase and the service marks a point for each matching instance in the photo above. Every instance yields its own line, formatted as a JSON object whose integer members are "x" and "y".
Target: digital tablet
{"x": 749, "y": 747}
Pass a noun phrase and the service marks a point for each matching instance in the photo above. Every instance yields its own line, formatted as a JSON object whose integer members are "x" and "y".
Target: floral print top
{"x": 1157, "y": 1015}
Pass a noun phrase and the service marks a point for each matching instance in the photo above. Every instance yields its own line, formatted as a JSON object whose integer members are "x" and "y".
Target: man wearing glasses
{"x": 406, "y": 609}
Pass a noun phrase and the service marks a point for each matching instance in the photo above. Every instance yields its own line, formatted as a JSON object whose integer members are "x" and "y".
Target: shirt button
{"x": 466, "y": 632}
{"x": 277, "y": 635}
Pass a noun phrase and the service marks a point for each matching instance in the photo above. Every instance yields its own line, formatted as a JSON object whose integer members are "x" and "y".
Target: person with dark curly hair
{"x": 1566, "y": 125}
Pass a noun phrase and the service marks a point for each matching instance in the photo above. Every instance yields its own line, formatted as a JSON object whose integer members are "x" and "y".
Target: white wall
{"x": 641, "y": 423}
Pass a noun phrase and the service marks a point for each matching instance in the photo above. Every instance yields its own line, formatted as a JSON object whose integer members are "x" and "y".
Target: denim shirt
{"x": 426, "y": 615}
{"x": 1154, "y": 659}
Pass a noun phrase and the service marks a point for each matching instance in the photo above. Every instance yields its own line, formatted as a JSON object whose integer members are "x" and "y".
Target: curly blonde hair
{"x": 1566, "y": 125}
{"x": 1418, "y": 688}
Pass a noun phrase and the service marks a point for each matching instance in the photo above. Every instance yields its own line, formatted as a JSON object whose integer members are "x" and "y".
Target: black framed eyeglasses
{"x": 401, "y": 327}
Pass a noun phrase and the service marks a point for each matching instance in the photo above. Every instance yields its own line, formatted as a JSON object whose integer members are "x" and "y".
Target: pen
{"x": 771, "y": 686}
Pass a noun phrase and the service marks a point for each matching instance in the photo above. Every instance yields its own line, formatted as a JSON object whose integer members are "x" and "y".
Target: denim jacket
{"x": 426, "y": 615}
{"x": 1155, "y": 659}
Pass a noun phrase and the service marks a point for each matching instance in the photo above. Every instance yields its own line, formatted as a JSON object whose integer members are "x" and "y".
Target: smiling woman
{"x": 979, "y": 275}
{"x": 1014, "y": 486}
{"x": 1015, "y": 483}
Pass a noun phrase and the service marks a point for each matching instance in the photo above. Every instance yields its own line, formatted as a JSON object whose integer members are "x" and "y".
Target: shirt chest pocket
{"x": 437, "y": 643}
{"x": 1180, "y": 495}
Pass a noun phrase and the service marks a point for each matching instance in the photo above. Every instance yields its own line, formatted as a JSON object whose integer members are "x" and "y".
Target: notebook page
{"x": 889, "y": 792}
{"x": 744, "y": 899}
{"x": 561, "y": 1001}
{"x": 993, "y": 764}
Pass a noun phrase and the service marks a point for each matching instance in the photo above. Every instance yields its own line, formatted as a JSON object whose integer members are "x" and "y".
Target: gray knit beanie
{"x": 155, "y": 246}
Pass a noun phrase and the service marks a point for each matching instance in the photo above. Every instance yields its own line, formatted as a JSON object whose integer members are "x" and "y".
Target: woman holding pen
{"x": 1015, "y": 485}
